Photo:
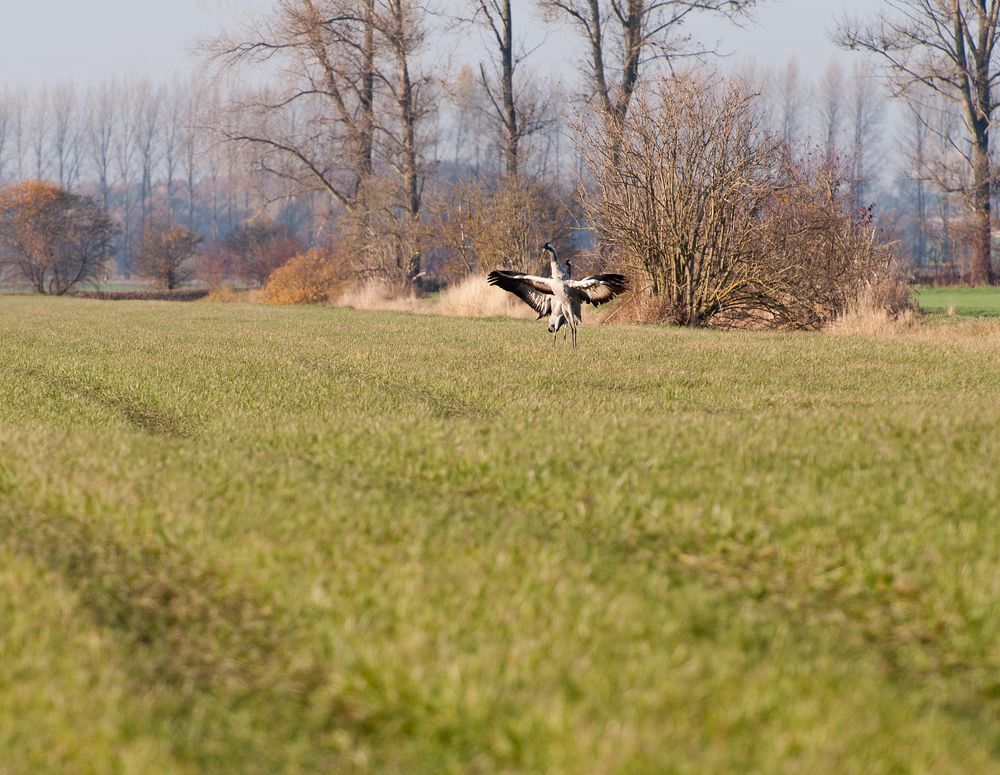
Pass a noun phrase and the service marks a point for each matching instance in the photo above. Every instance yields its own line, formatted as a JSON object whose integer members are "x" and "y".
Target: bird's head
{"x": 548, "y": 246}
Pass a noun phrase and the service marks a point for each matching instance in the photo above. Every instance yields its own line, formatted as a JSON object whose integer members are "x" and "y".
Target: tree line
{"x": 327, "y": 122}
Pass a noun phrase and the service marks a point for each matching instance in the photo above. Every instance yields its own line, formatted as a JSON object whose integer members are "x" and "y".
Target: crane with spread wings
{"x": 559, "y": 297}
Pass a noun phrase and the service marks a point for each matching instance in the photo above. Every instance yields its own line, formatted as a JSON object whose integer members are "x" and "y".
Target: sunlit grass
{"x": 960, "y": 300}
{"x": 247, "y": 538}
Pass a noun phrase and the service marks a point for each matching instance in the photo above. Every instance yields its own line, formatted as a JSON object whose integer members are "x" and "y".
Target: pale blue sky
{"x": 51, "y": 41}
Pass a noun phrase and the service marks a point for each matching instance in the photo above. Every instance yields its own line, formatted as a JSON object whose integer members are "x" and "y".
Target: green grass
{"x": 984, "y": 301}
{"x": 241, "y": 538}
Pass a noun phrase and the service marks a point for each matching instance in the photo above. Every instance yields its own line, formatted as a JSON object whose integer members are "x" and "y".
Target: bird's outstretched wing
{"x": 598, "y": 288}
{"x": 533, "y": 290}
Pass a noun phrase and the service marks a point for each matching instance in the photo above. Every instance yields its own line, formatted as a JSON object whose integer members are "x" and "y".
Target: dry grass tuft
{"x": 880, "y": 310}
{"x": 874, "y": 321}
{"x": 472, "y": 297}
{"x": 381, "y": 295}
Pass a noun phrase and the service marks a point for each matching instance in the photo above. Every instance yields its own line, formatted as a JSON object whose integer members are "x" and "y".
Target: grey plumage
{"x": 559, "y": 297}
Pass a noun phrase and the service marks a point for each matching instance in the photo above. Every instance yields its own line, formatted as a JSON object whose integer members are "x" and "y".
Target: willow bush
{"x": 724, "y": 227}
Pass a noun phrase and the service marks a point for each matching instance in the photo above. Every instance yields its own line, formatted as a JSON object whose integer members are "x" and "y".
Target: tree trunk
{"x": 367, "y": 139}
{"x": 510, "y": 110}
{"x": 982, "y": 224}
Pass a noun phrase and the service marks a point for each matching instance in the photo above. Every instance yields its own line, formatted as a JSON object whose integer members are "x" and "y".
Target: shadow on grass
{"x": 229, "y": 680}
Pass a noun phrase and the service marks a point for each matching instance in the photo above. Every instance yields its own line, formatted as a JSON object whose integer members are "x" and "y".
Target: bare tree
{"x": 125, "y": 152}
{"x": 403, "y": 34}
{"x": 172, "y": 136}
{"x": 791, "y": 100}
{"x": 6, "y": 131}
{"x": 148, "y": 107}
{"x": 830, "y": 107}
{"x": 318, "y": 129}
{"x": 865, "y": 116}
{"x": 517, "y": 107}
{"x": 468, "y": 111}
{"x": 624, "y": 37}
{"x": 353, "y": 88}
{"x": 53, "y": 238}
{"x": 946, "y": 48}
{"x": 67, "y": 146}
{"x": 720, "y": 223}
{"x": 164, "y": 252}
{"x": 19, "y": 134}
{"x": 38, "y": 134}
{"x": 192, "y": 145}
{"x": 102, "y": 110}
{"x": 914, "y": 142}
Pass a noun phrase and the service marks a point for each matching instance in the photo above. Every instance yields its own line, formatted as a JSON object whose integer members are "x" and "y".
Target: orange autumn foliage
{"x": 52, "y": 238}
{"x": 307, "y": 278}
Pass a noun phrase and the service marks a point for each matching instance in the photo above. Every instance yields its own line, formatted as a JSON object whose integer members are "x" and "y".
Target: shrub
{"x": 258, "y": 248}
{"x": 307, "y": 278}
{"x": 723, "y": 226}
{"x": 214, "y": 264}
{"x": 482, "y": 228}
{"x": 53, "y": 239}
{"x": 164, "y": 253}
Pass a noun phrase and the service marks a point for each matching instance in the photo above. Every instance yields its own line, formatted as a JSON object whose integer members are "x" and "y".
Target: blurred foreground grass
{"x": 247, "y": 538}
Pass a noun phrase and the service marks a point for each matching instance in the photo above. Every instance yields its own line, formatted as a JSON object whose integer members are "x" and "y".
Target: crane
{"x": 559, "y": 296}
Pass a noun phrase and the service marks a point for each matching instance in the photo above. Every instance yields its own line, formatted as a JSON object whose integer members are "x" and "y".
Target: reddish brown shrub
{"x": 258, "y": 249}
{"x": 308, "y": 278}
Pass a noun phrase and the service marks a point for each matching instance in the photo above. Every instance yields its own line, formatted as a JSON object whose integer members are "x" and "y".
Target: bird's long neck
{"x": 554, "y": 260}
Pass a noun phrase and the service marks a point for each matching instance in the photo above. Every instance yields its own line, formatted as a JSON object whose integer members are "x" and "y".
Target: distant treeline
{"x": 343, "y": 129}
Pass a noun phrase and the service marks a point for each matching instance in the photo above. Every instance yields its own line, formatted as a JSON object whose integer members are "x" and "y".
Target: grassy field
{"x": 241, "y": 538}
{"x": 961, "y": 300}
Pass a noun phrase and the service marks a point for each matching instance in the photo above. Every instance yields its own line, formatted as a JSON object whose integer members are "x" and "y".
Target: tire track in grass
{"x": 233, "y": 683}
{"x": 142, "y": 414}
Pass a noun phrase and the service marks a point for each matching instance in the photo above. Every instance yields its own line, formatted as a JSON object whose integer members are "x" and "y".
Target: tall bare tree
{"x": 125, "y": 156}
{"x": 148, "y": 109}
{"x": 516, "y": 104}
{"x": 945, "y": 47}
{"x": 791, "y": 101}
{"x": 347, "y": 116}
{"x": 830, "y": 107}
{"x": 624, "y": 37}
{"x": 38, "y": 134}
{"x": 914, "y": 142}
{"x": 6, "y": 131}
{"x": 865, "y": 115}
{"x": 172, "y": 137}
{"x": 466, "y": 125}
{"x": 102, "y": 107}
{"x": 67, "y": 146}
{"x": 317, "y": 129}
